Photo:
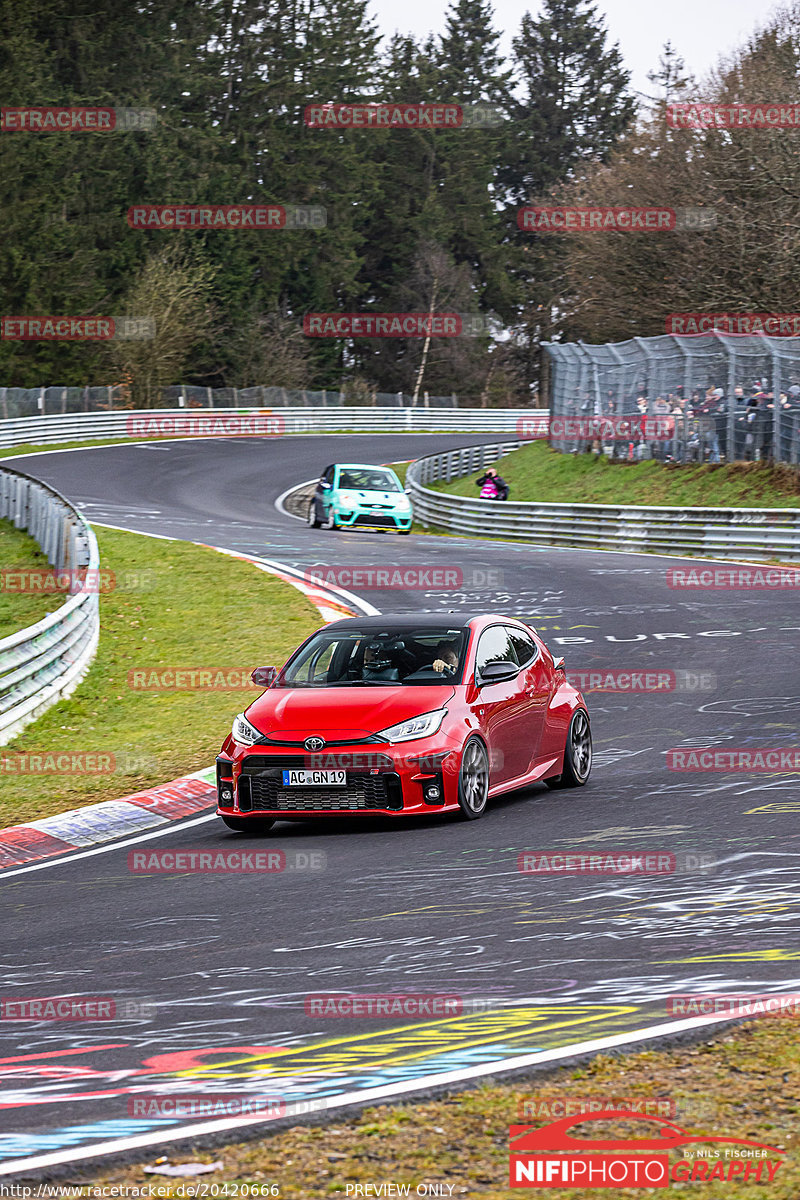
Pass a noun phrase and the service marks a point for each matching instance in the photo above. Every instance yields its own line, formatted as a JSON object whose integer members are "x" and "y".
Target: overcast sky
{"x": 700, "y": 30}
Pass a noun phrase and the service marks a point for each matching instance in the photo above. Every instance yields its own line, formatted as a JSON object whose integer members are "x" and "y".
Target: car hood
{"x": 346, "y": 712}
{"x": 369, "y": 497}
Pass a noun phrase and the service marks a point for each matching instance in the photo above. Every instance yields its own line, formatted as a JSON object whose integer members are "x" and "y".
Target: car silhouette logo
{"x": 314, "y": 743}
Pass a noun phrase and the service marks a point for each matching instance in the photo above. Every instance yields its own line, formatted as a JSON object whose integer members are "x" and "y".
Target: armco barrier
{"x": 73, "y": 427}
{"x": 45, "y": 662}
{"x": 749, "y": 533}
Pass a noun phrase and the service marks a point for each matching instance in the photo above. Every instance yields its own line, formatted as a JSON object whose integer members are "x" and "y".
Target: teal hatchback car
{"x": 354, "y": 495}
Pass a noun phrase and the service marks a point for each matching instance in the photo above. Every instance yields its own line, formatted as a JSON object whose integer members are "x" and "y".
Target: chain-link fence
{"x": 711, "y": 398}
{"x": 50, "y": 401}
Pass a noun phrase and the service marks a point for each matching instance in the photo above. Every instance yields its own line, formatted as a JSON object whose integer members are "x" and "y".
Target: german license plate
{"x": 314, "y": 778}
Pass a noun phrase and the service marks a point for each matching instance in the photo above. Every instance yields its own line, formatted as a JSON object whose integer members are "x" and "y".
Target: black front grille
{"x": 263, "y": 789}
{"x": 376, "y": 519}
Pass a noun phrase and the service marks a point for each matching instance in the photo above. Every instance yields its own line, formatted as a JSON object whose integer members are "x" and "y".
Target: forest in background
{"x": 415, "y": 218}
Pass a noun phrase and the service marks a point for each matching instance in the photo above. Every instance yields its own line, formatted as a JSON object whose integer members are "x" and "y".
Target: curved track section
{"x": 546, "y": 965}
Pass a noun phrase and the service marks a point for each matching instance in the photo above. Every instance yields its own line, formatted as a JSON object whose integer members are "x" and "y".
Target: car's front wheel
{"x": 245, "y": 825}
{"x": 330, "y": 519}
{"x": 473, "y": 780}
{"x": 577, "y": 753}
{"x": 313, "y": 519}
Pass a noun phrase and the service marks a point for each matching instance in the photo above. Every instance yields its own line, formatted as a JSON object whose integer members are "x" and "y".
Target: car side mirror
{"x": 323, "y": 483}
{"x": 558, "y": 664}
{"x": 264, "y": 676}
{"x": 496, "y": 672}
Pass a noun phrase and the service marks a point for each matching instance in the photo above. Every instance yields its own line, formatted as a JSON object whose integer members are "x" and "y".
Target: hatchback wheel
{"x": 313, "y": 519}
{"x": 473, "y": 780}
{"x": 577, "y": 753}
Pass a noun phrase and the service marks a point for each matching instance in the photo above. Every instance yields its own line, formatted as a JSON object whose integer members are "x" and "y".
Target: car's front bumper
{"x": 385, "y": 518}
{"x": 412, "y": 777}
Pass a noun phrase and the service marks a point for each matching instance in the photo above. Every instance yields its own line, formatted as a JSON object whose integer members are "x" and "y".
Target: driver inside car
{"x": 447, "y": 659}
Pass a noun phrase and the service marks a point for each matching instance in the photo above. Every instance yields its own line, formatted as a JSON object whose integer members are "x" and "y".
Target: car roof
{"x": 423, "y": 620}
{"x": 364, "y": 466}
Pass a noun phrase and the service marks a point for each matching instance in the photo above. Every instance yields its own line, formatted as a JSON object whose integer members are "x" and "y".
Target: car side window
{"x": 328, "y": 474}
{"x": 495, "y": 645}
{"x": 524, "y": 645}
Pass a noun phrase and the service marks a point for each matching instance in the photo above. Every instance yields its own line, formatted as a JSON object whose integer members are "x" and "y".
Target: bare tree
{"x": 172, "y": 291}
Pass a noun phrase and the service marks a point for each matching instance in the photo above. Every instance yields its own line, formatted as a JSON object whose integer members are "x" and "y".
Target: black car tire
{"x": 473, "y": 780}
{"x": 577, "y": 753}
{"x": 330, "y": 520}
{"x": 313, "y": 519}
{"x": 248, "y": 825}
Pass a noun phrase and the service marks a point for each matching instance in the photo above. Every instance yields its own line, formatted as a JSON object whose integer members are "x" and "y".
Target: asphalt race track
{"x": 542, "y": 962}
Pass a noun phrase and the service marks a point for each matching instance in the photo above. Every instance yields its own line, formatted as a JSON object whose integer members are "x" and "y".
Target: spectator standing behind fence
{"x": 492, "y": 486}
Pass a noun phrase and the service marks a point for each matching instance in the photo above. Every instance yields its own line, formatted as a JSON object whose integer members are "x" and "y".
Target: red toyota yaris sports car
{"x": 403, "y": 714}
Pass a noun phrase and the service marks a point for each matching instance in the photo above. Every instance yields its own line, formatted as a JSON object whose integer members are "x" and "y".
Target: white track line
{"x": 294, "y": 488}
{"x": 388, "y": 1091}
{"x": 59, "y": 861}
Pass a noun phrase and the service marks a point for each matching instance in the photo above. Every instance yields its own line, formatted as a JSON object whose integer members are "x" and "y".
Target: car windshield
{"x": 365, "y": 479}
{"x": 402, "y": 655}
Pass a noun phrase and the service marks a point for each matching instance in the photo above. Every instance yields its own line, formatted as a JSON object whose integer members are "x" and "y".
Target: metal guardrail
{"x": 751, "y": 533}
{"x": 45, "y": 662}
{"x": 69, "y": 427}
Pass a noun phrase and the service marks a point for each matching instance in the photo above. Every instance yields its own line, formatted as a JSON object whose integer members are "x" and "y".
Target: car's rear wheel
{"x": 577, "y": 753}
{"x": 313, "y": 519}
{"x": 473, "y": 780}
{"x": 245, "y": 825}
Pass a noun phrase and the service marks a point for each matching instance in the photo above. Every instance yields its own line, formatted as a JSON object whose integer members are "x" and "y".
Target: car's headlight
{"x": 243, "y": 732}
{"x": 414, "y": 727}
{"x": 346, "y": 498}
{"x": 403, "y": 502}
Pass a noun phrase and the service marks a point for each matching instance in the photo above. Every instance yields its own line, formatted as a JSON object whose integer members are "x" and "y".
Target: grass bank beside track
{"x": 541, "y": 475}
{"x": 175, "y": 605}
{"x": 744, "y": 1084}
{"x": 19, "y": 552}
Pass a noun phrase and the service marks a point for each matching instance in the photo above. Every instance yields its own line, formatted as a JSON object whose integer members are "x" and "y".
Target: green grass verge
{"x": 19, "y": 552}
{"x": 537, "y": 473}
{"x": 175, "y": 606}
{"x": 724, "y": 1088}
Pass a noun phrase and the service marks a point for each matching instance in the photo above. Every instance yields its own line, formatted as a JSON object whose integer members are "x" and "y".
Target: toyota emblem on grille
{"x": 314, "y": 743}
